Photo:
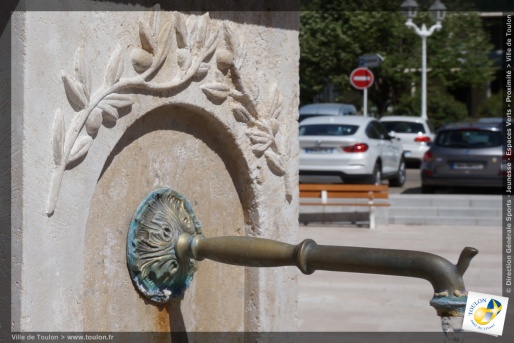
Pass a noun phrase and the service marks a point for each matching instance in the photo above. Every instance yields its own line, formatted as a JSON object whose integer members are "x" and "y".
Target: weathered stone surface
{"x": 112, "y": 105}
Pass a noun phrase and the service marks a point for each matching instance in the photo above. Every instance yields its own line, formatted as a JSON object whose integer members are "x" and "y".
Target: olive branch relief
{"x": 196, "y": 42}
{"x": 261, "y": 117}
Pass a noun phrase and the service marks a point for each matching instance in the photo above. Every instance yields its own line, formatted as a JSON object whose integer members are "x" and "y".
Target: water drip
{"x": 452, "y": 328}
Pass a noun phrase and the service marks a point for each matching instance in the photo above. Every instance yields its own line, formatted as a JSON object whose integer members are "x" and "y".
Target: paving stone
{"x": 342, "y": 302}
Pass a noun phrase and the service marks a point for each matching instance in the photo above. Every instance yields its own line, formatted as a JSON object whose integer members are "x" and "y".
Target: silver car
{"x": 326, "y": 109}
{"x": 464, "y": 154}
{"x": 415, "y": 134}
{"x": 351, "y": 149}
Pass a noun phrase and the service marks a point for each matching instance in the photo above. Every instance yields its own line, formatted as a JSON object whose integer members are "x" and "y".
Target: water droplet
{"x": 452, "y": 328}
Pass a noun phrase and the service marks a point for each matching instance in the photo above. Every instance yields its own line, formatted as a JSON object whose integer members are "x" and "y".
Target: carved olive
{"x": 94, "y": 121}
{"x": 141, "y": 60}
{"x": 184, "y": 59}
{"x": 225, "y": 59}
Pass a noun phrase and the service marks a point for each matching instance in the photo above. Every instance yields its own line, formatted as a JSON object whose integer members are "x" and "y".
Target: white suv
{"x": 349, "y": 149}
{"x": 414, "y": 132}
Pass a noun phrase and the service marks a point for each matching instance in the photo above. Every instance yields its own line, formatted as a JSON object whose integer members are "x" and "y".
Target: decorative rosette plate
{"x": 154, "y": 267}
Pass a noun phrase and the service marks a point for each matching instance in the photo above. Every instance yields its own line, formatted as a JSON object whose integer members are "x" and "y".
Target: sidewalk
{"x": 331, "y": 301}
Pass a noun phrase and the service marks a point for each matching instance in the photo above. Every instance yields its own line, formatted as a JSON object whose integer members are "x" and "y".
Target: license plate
{"x": 319, "y": 150}
{"x": 468, "y": 166}
{"x": 407, "y": 153}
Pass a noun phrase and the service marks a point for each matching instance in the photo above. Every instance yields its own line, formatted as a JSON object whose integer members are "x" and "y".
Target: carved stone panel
{"x": 109, "y": 106}
{"x": 176, "y": 53}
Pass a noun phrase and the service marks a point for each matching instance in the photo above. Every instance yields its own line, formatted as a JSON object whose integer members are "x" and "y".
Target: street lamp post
{"x": 437, "y": 11}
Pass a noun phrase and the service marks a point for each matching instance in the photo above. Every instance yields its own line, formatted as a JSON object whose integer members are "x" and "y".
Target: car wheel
{"x": 376, "y": 177}
{"x": 400, "y": 177}
{"x": 425, "y": 189}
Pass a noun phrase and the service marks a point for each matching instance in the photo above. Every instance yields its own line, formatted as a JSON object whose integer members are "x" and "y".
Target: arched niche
{"x": 191, "y": 152}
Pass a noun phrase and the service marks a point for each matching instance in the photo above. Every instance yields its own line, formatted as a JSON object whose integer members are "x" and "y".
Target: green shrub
{"x": 492, "y": 107}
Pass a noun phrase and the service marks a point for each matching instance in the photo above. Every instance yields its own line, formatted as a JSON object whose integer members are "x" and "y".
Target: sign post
{"x": 362, "y": 78}
{"x": 370, "y": 61}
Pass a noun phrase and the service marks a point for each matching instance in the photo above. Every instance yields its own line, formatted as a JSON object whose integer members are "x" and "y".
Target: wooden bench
{"x": 357, "y": 195}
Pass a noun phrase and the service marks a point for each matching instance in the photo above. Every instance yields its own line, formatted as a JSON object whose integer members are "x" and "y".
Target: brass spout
{"x": 445, "y": 277}
{"x": 165, "y": 242}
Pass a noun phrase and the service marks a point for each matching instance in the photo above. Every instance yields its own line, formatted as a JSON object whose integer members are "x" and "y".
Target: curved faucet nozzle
{"x": 452, "y": 303}
{"x": 465, "y": 258}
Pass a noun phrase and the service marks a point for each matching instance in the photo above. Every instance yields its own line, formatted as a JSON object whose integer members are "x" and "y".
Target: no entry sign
{"x": 361, "y": 78}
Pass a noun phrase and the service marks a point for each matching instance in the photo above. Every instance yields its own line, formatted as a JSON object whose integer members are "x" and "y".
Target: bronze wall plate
{"x": 154, "y": 267}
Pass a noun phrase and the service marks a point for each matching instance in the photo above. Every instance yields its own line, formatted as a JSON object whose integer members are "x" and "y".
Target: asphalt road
{"x": 413, "y": 186}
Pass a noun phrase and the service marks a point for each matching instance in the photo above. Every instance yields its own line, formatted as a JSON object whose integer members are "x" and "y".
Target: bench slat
{"x": 342, "y": 187}
{"x": 368, "y": 194}
{"x": 347, "y": 195}
{"x": 342, "y": 204}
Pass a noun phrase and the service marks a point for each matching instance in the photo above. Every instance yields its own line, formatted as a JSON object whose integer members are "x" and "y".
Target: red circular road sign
{"x": 361, "y": 78}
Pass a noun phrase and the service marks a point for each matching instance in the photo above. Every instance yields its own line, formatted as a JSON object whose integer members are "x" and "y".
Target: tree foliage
{"x": 442, "y": 107}
{"x": 335, "y": 34}
{"x": 492, "y": 107}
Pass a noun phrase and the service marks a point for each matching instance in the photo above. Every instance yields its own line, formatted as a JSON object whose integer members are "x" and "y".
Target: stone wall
{"x": 111, "y": 105}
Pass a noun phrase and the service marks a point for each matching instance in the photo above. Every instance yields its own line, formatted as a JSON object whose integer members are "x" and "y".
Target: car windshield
{"x": 305, "y": 116}
{"x": 404, "y": 127}
{"x": 469, "y": 138}
{"x": 328, "y": 130}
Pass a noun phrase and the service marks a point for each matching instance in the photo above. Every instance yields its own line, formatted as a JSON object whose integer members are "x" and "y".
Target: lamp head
{"x": 437, "y": 11}
{"x": 409, "y": 8}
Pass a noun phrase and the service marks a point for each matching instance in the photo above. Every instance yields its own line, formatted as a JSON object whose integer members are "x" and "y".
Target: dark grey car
{"x": 464, "y": 154}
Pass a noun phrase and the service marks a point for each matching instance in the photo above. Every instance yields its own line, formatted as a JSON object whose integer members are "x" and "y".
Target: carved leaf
{"x": 202, "y": 27}
{"x": 276, "y": 102}
{"x": 111, "y": 104}
{"x": 58, "y": 132}
{"x": 253, "y": 89}
{"x": 109, "y": 113}
{"x": 231, "y": 38}
{"x": 219, "y": 77}
{"x": 239, "y": 58}
{"x": 80, "y": 148}
{"x": 210, "y": 46}
{"x": 191, "y": 29}
{"x": 182, "y": 33}
{"x": 156, "y": 18}
{"x": 259, "y": 149}
{"x": 164, "y": 44}
{"x": 264, "y": 126}
{"x": 274, "y": 163}
{"x": 258, "y": 137}
{"x": 146, "y": 37}
{"x": 74, "y": 92}
{"x": 241, "y": 114}
{"x": 114, "y": 67}
{"x": 235, "y": 45}
{"x": 290, "y": 186}
{"x": 203, "y": 69}
{"x": 274, "y": 125}
{"x": 218, "y": 91}
{"x": 82, "y": 72}
{"x": 117, "y": 100}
